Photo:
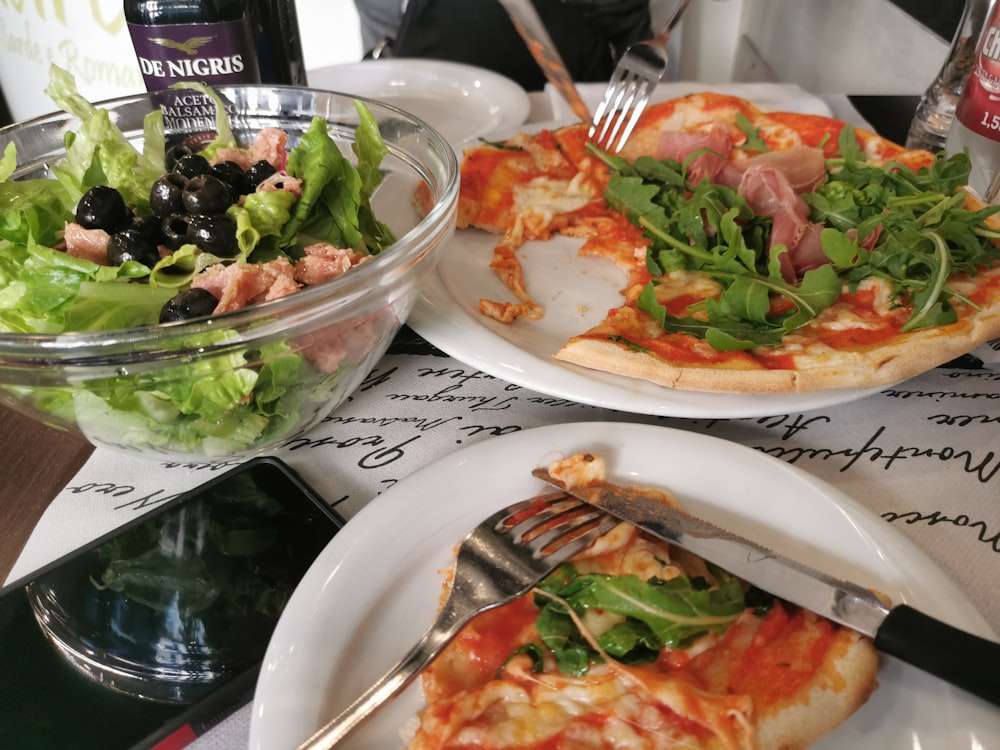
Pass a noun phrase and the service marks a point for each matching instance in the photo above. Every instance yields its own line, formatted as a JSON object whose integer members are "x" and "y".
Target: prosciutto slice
{"x": 767, "y": 189}
{"x": 804, "y": 167}
{"x": 714, "y": 166}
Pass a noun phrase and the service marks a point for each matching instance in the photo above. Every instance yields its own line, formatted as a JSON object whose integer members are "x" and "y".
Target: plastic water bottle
{"x": 936, "y": 111}
{"x": 977, "y": 116}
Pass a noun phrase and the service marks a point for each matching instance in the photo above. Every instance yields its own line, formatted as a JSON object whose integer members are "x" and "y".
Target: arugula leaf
{"x": 908, "y": 228}
{"x": 754, "y": 141}
{"x": 655, "y": 614}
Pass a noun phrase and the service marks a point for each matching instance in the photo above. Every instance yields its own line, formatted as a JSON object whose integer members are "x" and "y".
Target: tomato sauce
{"x": 858, "y": 338}
{"x": 988, "y": 292}
{"x": 487, "y": 641}
{"x": 487, "y": 176}
{"x": 783, "y": 657}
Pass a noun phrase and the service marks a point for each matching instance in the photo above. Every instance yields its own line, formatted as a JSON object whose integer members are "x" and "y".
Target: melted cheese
{"x": 612, "y": 707}
{"x": 547, "y": 197}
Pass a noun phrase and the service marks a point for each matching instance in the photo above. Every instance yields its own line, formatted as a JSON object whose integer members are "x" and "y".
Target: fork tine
{"x": 623, "y": 107}
{"x": 601, "y": 108}
{"x": 562, "y": 521}
{"x": 610, "y": 93}
{"x": 637, "y": 110}
{"x": 631, "y": 85}
{"x": 527, "y": 518}
{"x": 577, "y": 528}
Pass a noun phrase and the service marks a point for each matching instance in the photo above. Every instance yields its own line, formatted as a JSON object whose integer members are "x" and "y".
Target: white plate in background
{"x": 375, "y": 589}
{"x": 459, "y": 101}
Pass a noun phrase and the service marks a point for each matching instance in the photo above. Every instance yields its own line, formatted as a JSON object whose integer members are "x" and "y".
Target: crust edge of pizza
{"x": 797, "y": 725}
{"x": 875, "y": 366}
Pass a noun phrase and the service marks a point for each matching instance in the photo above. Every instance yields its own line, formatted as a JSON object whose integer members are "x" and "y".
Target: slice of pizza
{"x": 638, "y": 645}
{"x": 763, "y": 252}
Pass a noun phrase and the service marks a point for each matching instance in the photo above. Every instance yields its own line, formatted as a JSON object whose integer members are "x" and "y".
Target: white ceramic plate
{"x": 376, "y": 587}
{"x": 459, "y": 101}
{"x": 576, "y": 294}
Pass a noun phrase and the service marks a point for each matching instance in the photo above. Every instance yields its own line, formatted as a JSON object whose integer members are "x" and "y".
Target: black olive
{"x": 206, "y": 195}
{"x": 258, "y": 172}
{"x": 130, "y": 244}
{"x": 191, "y": 303}
{"x": 175, "y": 152}
{"x": 192, "y": 165}
{"x": 233, "y": 175}
{"x": 166, "y": 194}
{"x": 214, "y": 234}
{"x": 150, "y": 227}
{"x": 102, "y": 207}
{"x": 174, "y": 230}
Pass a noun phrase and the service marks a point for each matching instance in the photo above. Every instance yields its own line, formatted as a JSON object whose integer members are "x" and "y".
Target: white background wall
{"x": 330, "y": 32}
{"x": 842, "y": 46}
{"x": 826, "y": 46}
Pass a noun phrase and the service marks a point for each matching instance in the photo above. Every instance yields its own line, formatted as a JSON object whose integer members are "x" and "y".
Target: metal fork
{"x": 636, "y": 75}
{"x": 501, "y": 559}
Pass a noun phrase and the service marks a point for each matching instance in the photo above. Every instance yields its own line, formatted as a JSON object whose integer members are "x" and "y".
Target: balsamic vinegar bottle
{"x": 216, "y": 42}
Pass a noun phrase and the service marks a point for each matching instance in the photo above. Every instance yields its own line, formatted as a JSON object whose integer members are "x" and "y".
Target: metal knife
{"x": 529, "y": 25}
{"x": 963, "y": 659}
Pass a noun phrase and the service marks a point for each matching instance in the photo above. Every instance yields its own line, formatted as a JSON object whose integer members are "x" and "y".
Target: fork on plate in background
{"x": 503, "y": 558}
{"x": 638, "y": 72}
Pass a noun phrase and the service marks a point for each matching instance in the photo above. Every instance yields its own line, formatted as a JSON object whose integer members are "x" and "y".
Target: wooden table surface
{"x": 36, "y": 462}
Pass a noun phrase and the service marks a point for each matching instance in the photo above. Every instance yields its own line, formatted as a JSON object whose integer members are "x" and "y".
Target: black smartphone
{"x": 151, "y": 635}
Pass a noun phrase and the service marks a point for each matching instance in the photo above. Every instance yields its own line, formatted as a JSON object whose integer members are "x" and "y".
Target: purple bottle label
{"x": 216, "y": 54}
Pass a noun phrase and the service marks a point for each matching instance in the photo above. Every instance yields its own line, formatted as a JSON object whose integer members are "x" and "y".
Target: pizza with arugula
{"x": 638, "y": 645}
{"x": 762, "y": 252}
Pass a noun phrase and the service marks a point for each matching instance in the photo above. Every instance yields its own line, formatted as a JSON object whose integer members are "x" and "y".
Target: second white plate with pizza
{"x": 376, "y": 587}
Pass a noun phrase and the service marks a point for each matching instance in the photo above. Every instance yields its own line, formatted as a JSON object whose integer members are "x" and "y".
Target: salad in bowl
{"x": 218, "y": 297}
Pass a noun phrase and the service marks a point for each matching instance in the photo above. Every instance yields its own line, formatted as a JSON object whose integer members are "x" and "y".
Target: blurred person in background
{"x": 590, "y": 34}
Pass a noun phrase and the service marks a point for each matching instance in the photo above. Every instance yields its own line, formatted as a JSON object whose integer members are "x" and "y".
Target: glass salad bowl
{"x": 229, "y": 384}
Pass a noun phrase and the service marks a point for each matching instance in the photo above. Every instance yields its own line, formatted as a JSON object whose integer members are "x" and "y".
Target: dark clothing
{"x": 590, "y": 35}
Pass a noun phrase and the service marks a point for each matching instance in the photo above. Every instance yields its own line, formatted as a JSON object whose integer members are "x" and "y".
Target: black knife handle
{"x": 965, "y": 660}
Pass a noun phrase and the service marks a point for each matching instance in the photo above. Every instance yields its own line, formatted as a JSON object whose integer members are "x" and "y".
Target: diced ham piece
{"x": 715, "y": 166}
{"x": 324, "y": 261}
{"x": 89, "y": 244}
{"x": 269, "y": 145}
{"x": 241, "y": 284}
{"x": 282, "y": 181}
{"x": 349, "y": 341}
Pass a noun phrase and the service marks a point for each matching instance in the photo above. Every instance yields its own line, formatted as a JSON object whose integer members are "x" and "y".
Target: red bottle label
{"x": 979, "y": 107}
{"x": 216, "y": 54}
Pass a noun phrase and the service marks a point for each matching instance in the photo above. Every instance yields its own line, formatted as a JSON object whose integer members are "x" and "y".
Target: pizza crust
{"x": 806, "y": 720}
{"x": 820, "y": 368}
